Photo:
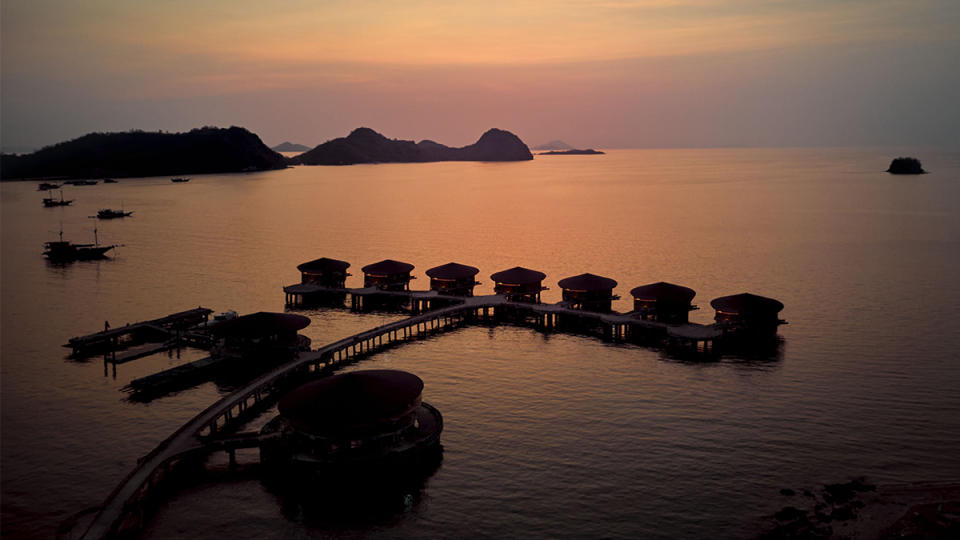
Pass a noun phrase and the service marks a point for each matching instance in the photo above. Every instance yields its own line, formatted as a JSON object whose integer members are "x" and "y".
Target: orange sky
{"x": 614, "y": 73}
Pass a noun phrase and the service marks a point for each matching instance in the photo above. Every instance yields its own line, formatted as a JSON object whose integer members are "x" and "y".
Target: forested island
{"x": 365, "y": 145}
{"x": 140, "y": 153}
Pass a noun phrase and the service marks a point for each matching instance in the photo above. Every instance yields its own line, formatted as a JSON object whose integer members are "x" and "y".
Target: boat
{"x": 179, "y": 179}
{"x": 50, "y": 201}
{"x": 63, "y": 251}
{"x": 44, "y": 186}
{"x": 108, "y": 213}
{"x": 109, "y": 181}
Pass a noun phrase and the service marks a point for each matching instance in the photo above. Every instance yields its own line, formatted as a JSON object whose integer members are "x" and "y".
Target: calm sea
{"x": 546, "y": 435}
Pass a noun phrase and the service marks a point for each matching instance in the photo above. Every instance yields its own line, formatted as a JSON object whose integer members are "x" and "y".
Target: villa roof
{"x": 352, "y": 401}
{"x": 662, "y": 291}
{"x": 388, "y": 267}
{"x": 518, "y": 276}
{"x": 587, "y": 282}
{"x": 324, "y": 264}
{"x": 261, "y": 323}
{"x": 452, "y": 270}
{"x": 747, "y": 304}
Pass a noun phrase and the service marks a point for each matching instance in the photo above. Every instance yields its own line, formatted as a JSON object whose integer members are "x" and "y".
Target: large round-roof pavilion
{"x": 588, "y": 292}
{"x": 351, "y": 402}
{"x": 374, "y": 417}
{"x": 388, "y": 274}
{"x": 519, "y": 283}
{"x": 453, "y": 278}
{"x": 260, "y": 336}
{"x": 662, "y": 301}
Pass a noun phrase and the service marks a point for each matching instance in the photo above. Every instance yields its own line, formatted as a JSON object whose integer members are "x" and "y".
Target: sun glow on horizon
{"x": 523, "y": 51}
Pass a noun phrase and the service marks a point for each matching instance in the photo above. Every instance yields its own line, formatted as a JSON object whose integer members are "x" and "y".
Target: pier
{"x": 659, "y": 317}
{"x": 110, "y": 340}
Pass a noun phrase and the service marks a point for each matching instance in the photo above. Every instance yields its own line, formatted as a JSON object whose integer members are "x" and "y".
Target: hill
{"x": 139, "y": 153}
{"x": 364, "y": 145}
{"x": 288, "y": 146}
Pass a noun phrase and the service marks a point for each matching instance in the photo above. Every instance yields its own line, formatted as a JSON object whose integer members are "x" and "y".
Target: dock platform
{"x": 110, "y": 340}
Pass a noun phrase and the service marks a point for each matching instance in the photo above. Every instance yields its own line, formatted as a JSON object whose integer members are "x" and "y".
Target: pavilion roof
{"x": 587, "y": 282}
{"x": 324, "y": 264}
{"x": 662, "y": 291}
{"x": 452, "y": 270}
{"x": 518, "y": 276}
{"x": 747, "y": 304}
{"x": 261, "y": 323}
{"x": 352, "y": 401}
{"x": 388, "y": 267}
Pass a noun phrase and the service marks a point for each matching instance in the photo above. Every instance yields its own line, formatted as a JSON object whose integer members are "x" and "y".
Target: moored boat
{"x": 81, "y": 182}
{"x": 50, "y": 201}
{"x": 179, "y": 179}
{"x": 64, "y": 251}
{"x": 109, "y": 213}
{"x": 44, "y": 186}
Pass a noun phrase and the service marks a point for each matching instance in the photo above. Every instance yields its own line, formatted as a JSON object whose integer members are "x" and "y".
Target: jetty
{"x": 111, "y": 340}
{"x": 659, "y": 316}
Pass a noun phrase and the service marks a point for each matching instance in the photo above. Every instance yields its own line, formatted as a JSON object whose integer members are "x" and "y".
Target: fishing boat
{"x": 63, "y": 251}
{"x": 44, "y": 186}
{"x": 109, "y": 213}
{"x": 179, "y": 179}
{"x": 50, "y": 201}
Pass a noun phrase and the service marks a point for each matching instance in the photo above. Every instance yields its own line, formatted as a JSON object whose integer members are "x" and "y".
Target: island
{"x": 554, "y": 145}
{"x": 287, "y": 146}
{"x": 905, "y": 165}
{"x": 140, "y": 153}
{"x": 364, "y": 145}
{"x": 572, "y": 152}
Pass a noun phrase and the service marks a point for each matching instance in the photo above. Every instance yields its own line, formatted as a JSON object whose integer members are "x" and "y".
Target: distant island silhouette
{"x": 905, "y": 165}
{"x": 140, "y": 153}
{"x": 365, "y": 145}
{"x": 572, "y": 152}
{"x": 288, "y": 146}
{"x": 554, "y": 145}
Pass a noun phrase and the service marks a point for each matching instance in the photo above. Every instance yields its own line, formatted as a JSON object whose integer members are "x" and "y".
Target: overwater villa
{"x": 664, "y": 302}
{"x": 453, "y": 279}
{"x": 589, "y": 292}
{"x": 388, "y": 275}
{"x": 325, "y": 272}
{"x": 519, "y": 284}
{"x": 368, "y": 422}
{"x": 261, "y": 335}
{"x": 748, "y": 313}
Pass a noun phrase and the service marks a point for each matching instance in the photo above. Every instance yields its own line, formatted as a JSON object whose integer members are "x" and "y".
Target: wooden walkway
{"x": 123, "y": 512}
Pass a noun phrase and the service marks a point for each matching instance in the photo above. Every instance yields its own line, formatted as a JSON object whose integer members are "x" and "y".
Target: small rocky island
{"x": 365, "y": 145}
{"x": 572, "y": 152}
{"x": 906, "y": 165}
{"x": 141, "y": 153}
{"x": 287, "y": 146}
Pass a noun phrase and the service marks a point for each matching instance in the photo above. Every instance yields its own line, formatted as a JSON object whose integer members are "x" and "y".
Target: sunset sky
{"x": 617, "y": 73}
